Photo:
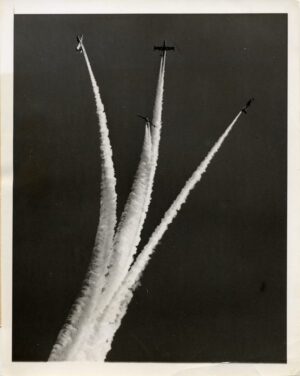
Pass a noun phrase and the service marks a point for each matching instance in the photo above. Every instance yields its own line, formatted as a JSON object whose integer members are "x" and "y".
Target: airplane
{"x": 147, "y": 120}
{"x": 244, "y": 109}
{"x": 163, "y": 48}
{"x": 79, "y": 45}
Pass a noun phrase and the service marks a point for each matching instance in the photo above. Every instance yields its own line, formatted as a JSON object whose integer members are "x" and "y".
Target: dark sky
{"x": 215, "y": 290}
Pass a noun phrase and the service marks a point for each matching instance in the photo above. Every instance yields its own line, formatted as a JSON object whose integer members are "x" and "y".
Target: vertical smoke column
{"x": 80, "y": 314}
{"x": 128, "y": 234}
{"x": 118, "y": 307}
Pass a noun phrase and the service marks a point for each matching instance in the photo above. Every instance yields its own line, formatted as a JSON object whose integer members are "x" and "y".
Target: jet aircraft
{"x": 163, "y": 48}
{"x": 244, "y": 109}
{"x": 79, "y": 45}
{"x": 147, "y": 120}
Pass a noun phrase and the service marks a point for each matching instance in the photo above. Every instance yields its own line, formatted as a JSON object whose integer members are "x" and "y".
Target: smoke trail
{"x": 130, "y": 223}
{"x": 128, "y": 234}
{"x": 157, "y": 120}
{"x": 114, "y": 313}
{"x": 130, "y": 227}
{"x": 94, "y": 282}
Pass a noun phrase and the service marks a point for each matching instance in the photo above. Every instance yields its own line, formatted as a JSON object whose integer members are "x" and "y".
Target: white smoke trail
{"x": 129, "y": 230}
{"x": 157, "y": 121}
{"x": 114, "y": 313}
{"x": 94, "y": 282}
{"x": 131, "y": 223}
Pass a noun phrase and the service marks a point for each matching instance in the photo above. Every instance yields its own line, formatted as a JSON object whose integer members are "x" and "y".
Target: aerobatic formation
{"x": 115, "y": 270}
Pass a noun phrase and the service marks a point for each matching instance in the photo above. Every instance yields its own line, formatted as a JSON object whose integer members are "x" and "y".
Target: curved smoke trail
{"x": 111, "y": 320}
{"x": 131, "y": 224}
{"x": 81, "y": 312}
{"x": 129, "y": 230}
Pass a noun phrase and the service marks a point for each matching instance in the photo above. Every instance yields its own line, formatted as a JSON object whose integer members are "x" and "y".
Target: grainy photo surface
{"x": 210, "y": 284}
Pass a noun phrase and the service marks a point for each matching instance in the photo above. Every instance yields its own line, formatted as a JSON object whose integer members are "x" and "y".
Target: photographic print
{"x": 150, "y": 188}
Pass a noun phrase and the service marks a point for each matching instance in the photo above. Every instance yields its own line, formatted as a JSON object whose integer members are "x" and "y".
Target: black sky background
{"x": 215, "y": 289}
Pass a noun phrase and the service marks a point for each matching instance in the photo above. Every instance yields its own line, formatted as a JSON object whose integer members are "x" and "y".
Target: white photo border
{"x": 7, "y": 10}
